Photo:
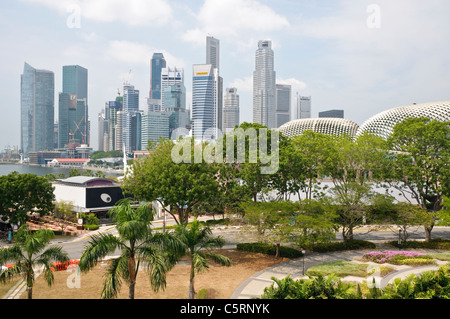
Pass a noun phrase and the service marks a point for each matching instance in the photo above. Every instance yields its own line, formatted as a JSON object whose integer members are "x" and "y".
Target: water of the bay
{"x": 5, "y": 169}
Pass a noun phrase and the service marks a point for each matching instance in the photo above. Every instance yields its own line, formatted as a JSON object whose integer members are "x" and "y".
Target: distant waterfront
{"x": 5, "y": 169}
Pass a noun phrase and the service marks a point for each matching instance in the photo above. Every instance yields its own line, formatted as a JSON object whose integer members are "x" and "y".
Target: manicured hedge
{"x": 269, "y": 249}
{"x": 443, "y": 244}
{"x": 351, "y": 244}
{"x": 91, "y": 227}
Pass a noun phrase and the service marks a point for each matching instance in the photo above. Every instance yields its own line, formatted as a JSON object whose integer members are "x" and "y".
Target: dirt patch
{"x": 219, "y": 281}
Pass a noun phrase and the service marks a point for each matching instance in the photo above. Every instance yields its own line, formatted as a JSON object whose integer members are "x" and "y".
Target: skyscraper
{"x": 332, "y": 113}
{"x": 283, "y": 104}
{"x": 73, "y": 108}
{"x": 158, "y": 62}
{"x": 155, "y": 125}
{"x": 213, "y": 52}
{"x": 175, "y": 106}
{"x": 37, "y": 102}
{"x": 230, "y": 110}
{"x": 130, "y": 107}
{"x": 303, "y": 107}
{"x": 169, "y": 77}
{"x": 264, "y": 78}
{"x": 206, "y": 109}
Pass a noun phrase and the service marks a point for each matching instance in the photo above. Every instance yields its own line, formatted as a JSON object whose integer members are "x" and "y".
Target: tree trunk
{"x": 191, "y": 283}
{"x": 428, "y": 230}
{"x": 30, "y": 292}
{"x": 132, "y": 271}
{"x": 277, "y": 254}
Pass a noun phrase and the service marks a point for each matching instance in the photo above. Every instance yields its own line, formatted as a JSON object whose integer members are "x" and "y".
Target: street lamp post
{"x": 303, "y": 253}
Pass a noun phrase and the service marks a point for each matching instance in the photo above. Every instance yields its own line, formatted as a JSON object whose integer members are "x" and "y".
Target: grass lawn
{"x": 441, "y": 256}
{"x": 220, "y": 281}
{"x": 339, "y": 267}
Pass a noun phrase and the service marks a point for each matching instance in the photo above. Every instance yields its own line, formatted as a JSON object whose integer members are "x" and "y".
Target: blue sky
{"x": 360, "y": 56}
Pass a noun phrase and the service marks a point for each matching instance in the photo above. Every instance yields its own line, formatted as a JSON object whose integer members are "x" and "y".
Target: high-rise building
{"x": 37, "y": 102}
{"x": 73, "y": 108}
{"x": 130, "y": 107}
{"x": 158, "y": 62}
{"x": 303, "y": 108}
{"x": 169, "y": 77}
{"x": 264, "y": 89}
{"x": 332, "y": 114}
{"x": 213, "y": 52}
{"x": 283, "y": 104}
{"x": 155, "y": 125}
{"x": 206, "y": 109}
{"x": 175, "y": 106}
{"x": 230, "y": 110}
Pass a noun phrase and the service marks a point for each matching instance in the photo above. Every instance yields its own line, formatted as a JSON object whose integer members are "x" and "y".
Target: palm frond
{"x": 97, "y": 249}
{"x": 116, "y": 272}
{"x": 220, "y": 259}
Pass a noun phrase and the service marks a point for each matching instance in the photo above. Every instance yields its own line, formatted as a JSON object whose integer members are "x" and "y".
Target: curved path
{"x": 254, "y": 286}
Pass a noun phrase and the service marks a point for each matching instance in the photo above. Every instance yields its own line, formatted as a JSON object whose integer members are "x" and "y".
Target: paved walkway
{"x": 254, "y": 286}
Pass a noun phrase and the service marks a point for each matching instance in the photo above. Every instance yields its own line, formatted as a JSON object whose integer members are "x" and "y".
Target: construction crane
{"x": 72, "y": 133}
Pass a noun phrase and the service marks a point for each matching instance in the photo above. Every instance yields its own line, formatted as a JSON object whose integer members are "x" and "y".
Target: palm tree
{"x": 28, "y": 253}
{"x": 198, "y": 243}
{"x": 137, "y": 244}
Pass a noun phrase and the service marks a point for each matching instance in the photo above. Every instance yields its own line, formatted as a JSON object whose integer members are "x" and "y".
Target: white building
{"x": 303, "y": 107}
{"x": 264, "y": 85}
{"x": 88, "y": 194}
{"x": 231, "y": 116}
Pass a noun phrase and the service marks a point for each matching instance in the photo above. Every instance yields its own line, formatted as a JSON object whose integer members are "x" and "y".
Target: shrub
{"x": 416, "y": 261}
{"x": 395, "y": 257}
{"x": 352, "y": 244}
{"x": 269, "y": 249}
{"x": 91, "y": 227}
{"x": 202, "y": 294}
{"x": 443, "y": 244}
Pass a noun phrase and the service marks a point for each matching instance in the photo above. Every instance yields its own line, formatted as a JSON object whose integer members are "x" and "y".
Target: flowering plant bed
{"x": 397, "y": 257}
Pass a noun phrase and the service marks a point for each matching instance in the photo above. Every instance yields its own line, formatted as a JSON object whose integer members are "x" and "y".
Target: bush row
{"x": 91, "y": 227}
{"x": 351, "y": 244}
{"x": 443, "y": 244}
{"x": 268, "y": 249}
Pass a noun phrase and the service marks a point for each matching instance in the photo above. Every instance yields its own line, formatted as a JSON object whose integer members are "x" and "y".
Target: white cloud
{"x": 130, "y": 12}
{"x": 297, "y": 85}
{"x": 137, "y": 53}
{"x": 243, "y": 85}
{"x": 234, "y": 19}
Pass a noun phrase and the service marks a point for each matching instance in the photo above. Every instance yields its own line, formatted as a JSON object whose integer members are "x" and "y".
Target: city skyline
{"x": 357, "y": 56}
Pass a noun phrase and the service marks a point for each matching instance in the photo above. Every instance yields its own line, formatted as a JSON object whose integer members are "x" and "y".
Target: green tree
{"x": 138, "y": 244}
{"x": 420, "y": 166}
{"x": 177, "y": 186}
{"x": 64, "y": 214}
{"x": 354, "y": 166}
{"x": 28, "y": 253}
{"x": 271, "y": 220}
{"x": 198, "y": 243}
{"x": 22, "y": 194}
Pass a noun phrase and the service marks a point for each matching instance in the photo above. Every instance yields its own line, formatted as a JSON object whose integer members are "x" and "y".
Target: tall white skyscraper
{"x": 264, "y": 86}
{"x": 230, "y": 110}
{"x": 213, "y": 52}
{"x": 283, "y": 104}
{"x": 303, "y": 107}
{"x": 206, "y": 109}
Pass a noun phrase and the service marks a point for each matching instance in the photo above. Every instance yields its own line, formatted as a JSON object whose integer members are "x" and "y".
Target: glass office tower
{"x": 206, "y": 109}
{"x": 37, "y": 110}
{"x": 158, "y": 62}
